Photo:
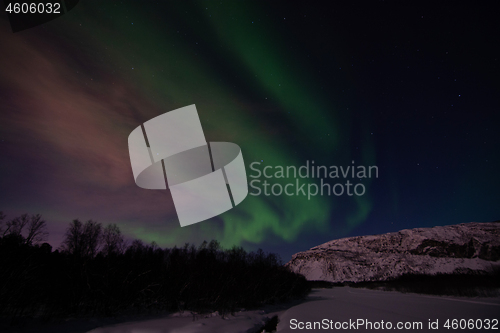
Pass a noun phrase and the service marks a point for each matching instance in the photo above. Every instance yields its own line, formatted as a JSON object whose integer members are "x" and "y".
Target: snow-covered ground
{"x": 241, "y": 322}
{"x": 347, "y": 305}
{"x": 338, "y": 305}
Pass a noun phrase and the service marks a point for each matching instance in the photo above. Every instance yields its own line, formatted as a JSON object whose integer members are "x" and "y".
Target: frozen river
{"x": 339, "y": 309}
{"x": 368, "y": 310}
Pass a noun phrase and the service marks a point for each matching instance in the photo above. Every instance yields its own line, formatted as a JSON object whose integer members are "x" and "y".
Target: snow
{"x": 339, "y": 304}
{"x": 240, "y": 323}
{"x": 421, "y": 251}
{"x": 348, "y": 304}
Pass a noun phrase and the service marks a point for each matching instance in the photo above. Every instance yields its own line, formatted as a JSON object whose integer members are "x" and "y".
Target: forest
{"x": 96, "y": 271}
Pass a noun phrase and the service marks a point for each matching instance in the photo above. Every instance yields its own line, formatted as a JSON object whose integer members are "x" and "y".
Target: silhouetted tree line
{"x": 95, "y": 272}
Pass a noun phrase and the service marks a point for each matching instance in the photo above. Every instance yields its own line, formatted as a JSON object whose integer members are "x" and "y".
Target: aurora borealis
{"x": 410, "y": 89}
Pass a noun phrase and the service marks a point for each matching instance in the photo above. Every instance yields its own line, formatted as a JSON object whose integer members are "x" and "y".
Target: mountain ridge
{"x": 472, "y": 247}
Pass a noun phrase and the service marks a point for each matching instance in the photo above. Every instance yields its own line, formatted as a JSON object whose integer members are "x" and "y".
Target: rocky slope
{"x": 458, "y": 248}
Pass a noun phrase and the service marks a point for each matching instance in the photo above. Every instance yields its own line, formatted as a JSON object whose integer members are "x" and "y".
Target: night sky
{"x": 412, "y": 89}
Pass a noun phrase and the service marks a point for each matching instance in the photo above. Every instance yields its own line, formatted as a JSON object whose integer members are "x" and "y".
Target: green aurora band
{"x": 171, "y": 73}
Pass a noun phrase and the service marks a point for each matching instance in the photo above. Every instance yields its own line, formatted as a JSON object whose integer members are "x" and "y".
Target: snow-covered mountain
{"x": 464, "y": 247}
